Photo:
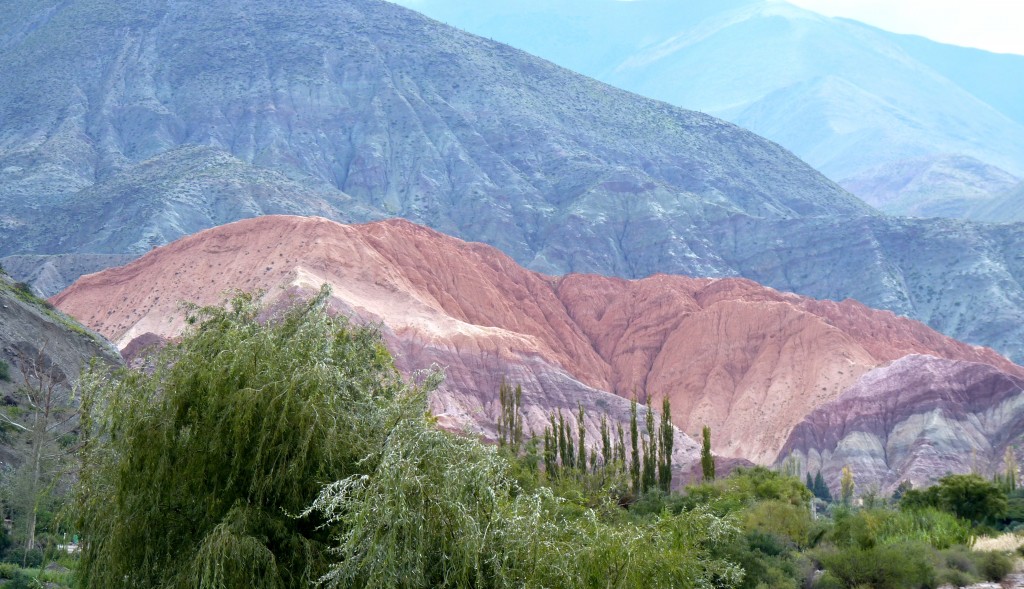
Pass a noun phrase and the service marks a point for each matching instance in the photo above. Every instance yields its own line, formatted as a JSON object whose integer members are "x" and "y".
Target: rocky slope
{"x": 1006, "y": 207}
{"x": 36, "y": 339}
{"x": 858, "y": 103}
{"x": 748, "y": 360}
{"x": 915, "y": 420}
{"x": 122, "y": 132}
{"x": 940, "y": 186}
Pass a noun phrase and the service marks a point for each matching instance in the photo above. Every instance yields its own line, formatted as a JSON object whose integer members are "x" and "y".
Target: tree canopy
{"x": 194, "y": 471}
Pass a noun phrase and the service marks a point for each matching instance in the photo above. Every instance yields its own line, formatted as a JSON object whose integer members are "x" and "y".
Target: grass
{"x": 1007, "y": 542}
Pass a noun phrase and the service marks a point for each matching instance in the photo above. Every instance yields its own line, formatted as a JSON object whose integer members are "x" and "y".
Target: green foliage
{"x": 5, "y": 371}
{"x": 994, "y": 566}
{"x": 581, "y": 431}
{"x": 442, "y": 511}
{"x": 665, "y": 446}
{"x": 879, "y": 527}
{"x": 1007, "y": 480}
{"x": 510, "y": 419}
{"x": 965, "y": 495}
{"x": 707, "y": 461}
{"x": 20, "y": 581}
{"x": 8, "y": 570}
{"x": 634, "y": 434}
{"x": 899, "y": 566}
{"x": 780, "y": 519}
{"x": 846, "y": 485}
{"x": 192, "y": 473}
{"x": 820, "y": 489}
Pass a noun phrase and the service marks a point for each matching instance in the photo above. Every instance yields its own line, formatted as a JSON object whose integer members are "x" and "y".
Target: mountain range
{"x": 128, "y": 126}
{"x": 764, "y": 369}
{"x": 860, "y": 104}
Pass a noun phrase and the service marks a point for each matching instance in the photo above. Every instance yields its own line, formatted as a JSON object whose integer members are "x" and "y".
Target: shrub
{"x": 8, "y": 570}
{"x": 781, "y": 519}
{"x": 5, "y": 371}
{"x": 994, "y": 566}
{"x": 960, "y": 558}
{"x": 33, "y": 558}
{"x": 898, "y": 566}
{"x": 828, "y": 581}
{"x": 939, "y": 529}
{"x": 20, "y": 581}
{"x": 964, "y": 495}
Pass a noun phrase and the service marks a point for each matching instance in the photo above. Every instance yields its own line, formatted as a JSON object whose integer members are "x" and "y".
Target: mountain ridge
{"x": 360, "y": 109}
{"x": 748, "y": 360}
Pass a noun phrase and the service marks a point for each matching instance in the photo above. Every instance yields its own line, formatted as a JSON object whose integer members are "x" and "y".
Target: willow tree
{"x": 194, "y": 472}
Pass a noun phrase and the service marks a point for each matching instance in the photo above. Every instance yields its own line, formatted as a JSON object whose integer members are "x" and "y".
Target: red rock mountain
{"x": 747, "y": 360}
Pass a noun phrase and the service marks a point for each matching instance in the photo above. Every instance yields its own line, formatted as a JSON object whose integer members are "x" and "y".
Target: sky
{"x": 993, "y": 25}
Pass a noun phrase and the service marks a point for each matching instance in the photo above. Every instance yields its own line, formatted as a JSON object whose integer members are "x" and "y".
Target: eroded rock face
{"x": 749, "y": 361}
{"x": 915, "y": 419}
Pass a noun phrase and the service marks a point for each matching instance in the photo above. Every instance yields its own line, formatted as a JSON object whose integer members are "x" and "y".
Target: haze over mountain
{"x": 749, "y": 361}
{"x": 129, "y": 125}
{"x": 854, "y": 101}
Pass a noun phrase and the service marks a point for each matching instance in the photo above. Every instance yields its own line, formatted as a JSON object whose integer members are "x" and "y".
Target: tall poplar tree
{"x": 666, "y": 446}
{"x": 634, "y": 465}
{"x": 707, "y": 460}
{"x": 581, "y": 430}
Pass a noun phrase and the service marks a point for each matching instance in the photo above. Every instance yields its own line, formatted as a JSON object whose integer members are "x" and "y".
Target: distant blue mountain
{"x": 858, "y": 103}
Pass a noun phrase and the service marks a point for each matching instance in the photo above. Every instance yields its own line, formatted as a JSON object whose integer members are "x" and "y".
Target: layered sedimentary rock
{"x": 914, "y": 420}
{"x": 749, "y": 361}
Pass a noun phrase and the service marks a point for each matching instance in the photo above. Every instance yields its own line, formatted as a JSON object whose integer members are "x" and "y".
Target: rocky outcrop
{"x": 914, "y": 420}
{"x": 48, "y": 275}
{"x": 749, "y": 361}
{"x": 45, "y": 345}
{"x": 122, "y": 133}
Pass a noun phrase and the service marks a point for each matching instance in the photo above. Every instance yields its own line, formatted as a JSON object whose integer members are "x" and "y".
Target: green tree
{"x": 970, "y": 497}
{"x": 846, "y": 485}
{"x": 42, "y": 418}
{"x": 550, "y": 450}
{"x": 666, "y": 446}
{"x": 563, "y": 443}
{"x": 193, "y": 474}
{"x": 510, "y": 418}
{"x": 1007, "y": 480}
{"x": 707, "y": 460}
{"x": 650, "y": 460}
{"x": 820, "y": 489}
{"x": 581, "y": 431}
{"x": 606, "y": 442}
{"x": 634, "y": 465}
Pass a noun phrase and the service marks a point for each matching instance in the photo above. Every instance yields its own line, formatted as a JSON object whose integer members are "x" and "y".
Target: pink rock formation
{"x": 747, "y": 360}
{"x": 914, "y": 420}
